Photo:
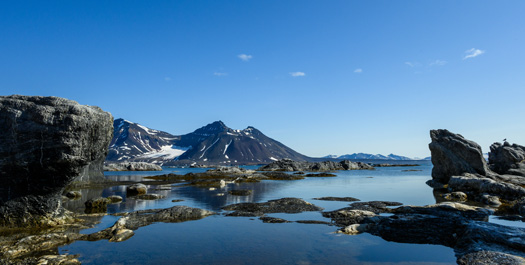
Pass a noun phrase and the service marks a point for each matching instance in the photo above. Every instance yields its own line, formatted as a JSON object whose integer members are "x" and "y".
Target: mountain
{"x": 363, "y": 156}
{"x": 214, "y": 143}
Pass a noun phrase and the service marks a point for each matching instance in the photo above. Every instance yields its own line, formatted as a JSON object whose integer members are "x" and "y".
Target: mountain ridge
{"x": 214, "y": 143}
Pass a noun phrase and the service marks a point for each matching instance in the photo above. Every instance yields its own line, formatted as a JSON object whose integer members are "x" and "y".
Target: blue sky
{"x": 323, "y": 77}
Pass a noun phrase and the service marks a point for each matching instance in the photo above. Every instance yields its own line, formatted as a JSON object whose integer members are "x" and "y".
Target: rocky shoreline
{"x": 52, "y": 145}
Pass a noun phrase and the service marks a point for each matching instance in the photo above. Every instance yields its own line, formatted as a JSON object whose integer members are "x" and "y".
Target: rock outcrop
{"x": 291, "y": 165}
{"x": 461, "y": 227}
{"x": 284, "y": 205}
{"x": 45, "y": 144}
{"x": 453, "y": 155}
{"x": 507, "y": 159}
{"x": 132, "y": 166}
{"x": 459, "y": 166}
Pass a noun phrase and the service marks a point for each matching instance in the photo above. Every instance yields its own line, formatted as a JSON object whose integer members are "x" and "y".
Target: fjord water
{"x": 221, "y": 239}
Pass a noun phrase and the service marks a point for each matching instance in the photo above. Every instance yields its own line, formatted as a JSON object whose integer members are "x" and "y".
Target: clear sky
{"x": 323, "y": 77}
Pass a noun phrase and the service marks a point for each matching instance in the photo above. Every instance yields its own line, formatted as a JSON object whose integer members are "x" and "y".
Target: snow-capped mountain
{"x": 214, "y": 143}
{"x": 364, "y": 156}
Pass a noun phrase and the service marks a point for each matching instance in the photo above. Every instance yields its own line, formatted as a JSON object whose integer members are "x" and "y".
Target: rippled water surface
{"x": 243, "y": 240}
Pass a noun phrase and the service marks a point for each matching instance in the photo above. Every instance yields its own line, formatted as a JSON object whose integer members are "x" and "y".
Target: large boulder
{"x": 507, "y": 159}
{"x": 45, "y": 144}
{"x": 453, "y": 155}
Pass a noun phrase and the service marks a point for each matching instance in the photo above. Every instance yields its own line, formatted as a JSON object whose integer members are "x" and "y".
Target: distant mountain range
{"x": 364, "y": 156}
{"x": 214, "y": 143}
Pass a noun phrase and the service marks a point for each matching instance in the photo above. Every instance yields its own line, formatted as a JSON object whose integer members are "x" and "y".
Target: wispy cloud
{"x": 244, "y": 57}
{"x": 297, "y": 74}
{"x": 167, "y": 78}
{"x": 437, "y": 63}
{"x": 358, "y": 70}
{"x": 219, "y": 74}
{"x": 413, "y": 64}
{"x": 472, "y": 53}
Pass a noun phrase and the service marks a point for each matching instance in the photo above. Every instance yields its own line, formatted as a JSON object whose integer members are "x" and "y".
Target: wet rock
{"x": 374, "y": 206}
{"x": 396, "y": 165}
{"x": 178, "y": 200}
{"x": 268, "y": 219}
{"x": 97, "y": 205}
{"x": 290, "y": 165}
{"x": 282, "y": 176}
{"x": 355, "y": 229}
{"x": 136, "y": 189}
{"x": 151, "y": 196}
{"x": 58, "y": 260}
{"x": 124, "y": 227}
{"x": 115, "y": 199}
{"x": 45, "y": 144}
{"x": 74, "y": 194}
{"x": 453, "y": 155}
{"x": 313, "y": 222}
{"x": 284, "y": 205}
{"x": 341, "y": 199}
{"x": 490, "y": 200}
{"x": 346, "y": 217}
{"x": 132, "y": 166}
{"x": 481, "y": 185}
{"x": 231, "y": 170}
{"x": 490, "y": 257}
{"x": 507, "y": 159}
{"x": 240, "y": 192}
{"x": 35, "y": 244}
{"x": 324, "y": 174}
{"x": 245, "y": 214}
{"x": 456, "y": 196}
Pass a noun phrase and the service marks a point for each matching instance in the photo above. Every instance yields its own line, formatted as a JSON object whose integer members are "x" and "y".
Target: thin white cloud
{"x": 438, "y": 63}
{"x": 167, "y": 78}
{"x": 219, "y": 74}
{"x": 244, "y": 57}
{"x": 297, "y": 74}
{"x": 472, "y": 53}
{"x": 413, "y": 64}
{"x": 358, "y": 70}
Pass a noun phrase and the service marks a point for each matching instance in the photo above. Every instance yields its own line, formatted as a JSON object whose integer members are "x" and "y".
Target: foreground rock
{"x": 45, "y": 144}
{"x": 26, "y": 249}
{"x": 284, "y": 205}
{"x": 290, "y": 165}
{"x": 461, "y": 227}
{"x": 132, "y": 166}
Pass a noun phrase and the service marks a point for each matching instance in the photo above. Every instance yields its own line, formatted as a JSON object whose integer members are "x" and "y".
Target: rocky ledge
{"x": 132, "y": 166}
{"x": 461, "y": 227}
{"x": 45, "y": 144}
{"x": 290, "y": 165}
{"x": 459, "y": 166}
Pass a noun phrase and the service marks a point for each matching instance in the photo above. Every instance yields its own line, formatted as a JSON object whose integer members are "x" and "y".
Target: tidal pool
{"x": 221, "y": 239}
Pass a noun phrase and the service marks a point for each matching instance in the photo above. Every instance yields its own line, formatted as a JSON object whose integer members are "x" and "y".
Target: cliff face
{"x": 45, "y": 144}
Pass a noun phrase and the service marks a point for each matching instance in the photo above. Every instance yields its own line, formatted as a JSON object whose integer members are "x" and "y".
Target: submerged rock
{"x": 240, "y": 192}
{"x": 97, "y": 205}
{"x": 341, "y": 199}
{"x": 136, "y": 189}
{"x": 124, "y": 227}
{"x": 45, "y": 144}
{"x": 132, "y": 166}
{"x": 284, "y": 205}
{"x": 290, "y": 165}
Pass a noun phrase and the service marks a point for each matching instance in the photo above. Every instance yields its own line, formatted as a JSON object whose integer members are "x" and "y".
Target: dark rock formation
{"x": 136, "y": 189}
{"x": 455, "y": 225}
{"x": 132, "y": 166}
{"x": 284, "y": 205}
{"x": 341, "y": 199}
{"x": 97, "y": 205}
{"x": 45, "y": 144}
{"x": 291, "y": 165}
{"x": 507, "y": 159}
{"x": 240, "y": 192}
{"x": 453, "y": 155}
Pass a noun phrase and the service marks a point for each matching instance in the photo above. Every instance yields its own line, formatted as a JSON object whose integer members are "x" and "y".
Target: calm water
{"x": 243, "y": 240}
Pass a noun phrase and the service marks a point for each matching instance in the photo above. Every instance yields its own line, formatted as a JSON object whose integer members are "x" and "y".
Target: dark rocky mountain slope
{"x": 214, "y": 143}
